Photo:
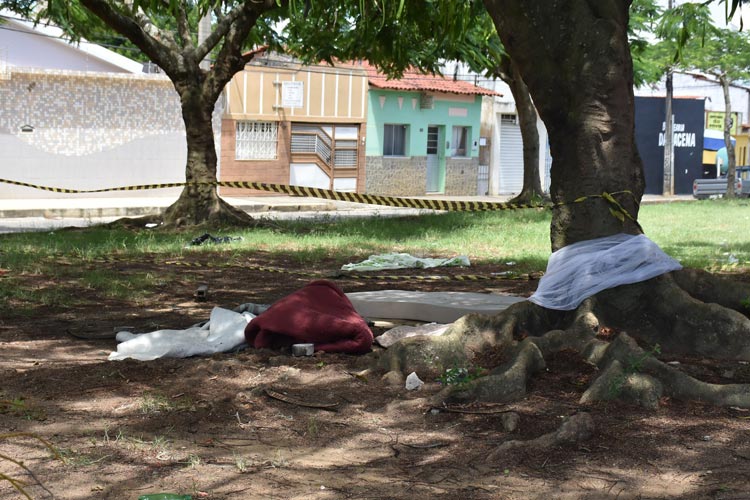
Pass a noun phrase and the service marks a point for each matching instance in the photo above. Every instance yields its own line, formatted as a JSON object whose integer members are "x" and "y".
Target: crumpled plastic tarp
{"x": 580, "y": 270}
{"x": 224, "y": 331}
{"x": 401, "y": 261}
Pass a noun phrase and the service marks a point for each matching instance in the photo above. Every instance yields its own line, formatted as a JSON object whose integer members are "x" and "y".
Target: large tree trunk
{"x": 199, "y": 201}
{"x": 532, "y": 185}
{"x": 575, "y": 58}
{"x": 199, "y": 89}
{"x": 731, "y": 162}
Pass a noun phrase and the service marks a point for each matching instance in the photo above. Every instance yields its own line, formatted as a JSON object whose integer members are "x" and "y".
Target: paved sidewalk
{"x": 75, "y": 206}
{"x": 80, "y": 207}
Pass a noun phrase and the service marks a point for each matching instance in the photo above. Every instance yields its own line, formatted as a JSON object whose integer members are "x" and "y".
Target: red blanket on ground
{"x": 317, "y": 314}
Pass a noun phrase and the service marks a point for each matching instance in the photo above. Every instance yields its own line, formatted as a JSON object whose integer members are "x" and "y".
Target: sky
{"x": 718, "y": 10}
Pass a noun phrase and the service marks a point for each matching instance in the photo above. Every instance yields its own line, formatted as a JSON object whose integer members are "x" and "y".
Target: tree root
{"x": 187, "y": 211}
{"x": 574, "y": 429}
{"x": 529, "y": 195}
{"x": 709, "y": 287}
{"x": 657, "y": 312}
{"x": 225, "y": 215}
{"x": 661, "y": 311}
{"x": 635, "y": 375}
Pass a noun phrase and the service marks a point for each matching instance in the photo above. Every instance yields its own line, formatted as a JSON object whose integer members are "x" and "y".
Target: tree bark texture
{"x": 731, "y": 161}
{"x": 197, "y": 88}
{"x": 532, "y": 185}
{"x": 575, "y": 59}
{"x": 658, "y": 314}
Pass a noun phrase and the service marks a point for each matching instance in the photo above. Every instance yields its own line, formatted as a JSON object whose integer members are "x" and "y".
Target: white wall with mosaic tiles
{"x": 90, "y": 131}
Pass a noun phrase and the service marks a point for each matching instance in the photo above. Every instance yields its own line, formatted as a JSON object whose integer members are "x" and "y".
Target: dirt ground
{"x": 207, "y": 427}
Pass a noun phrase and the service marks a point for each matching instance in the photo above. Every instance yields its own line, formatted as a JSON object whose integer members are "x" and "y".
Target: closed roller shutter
{"x": 511, "y": 155}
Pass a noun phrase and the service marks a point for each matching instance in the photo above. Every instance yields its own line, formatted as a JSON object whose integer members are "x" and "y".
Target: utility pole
{"x": 668, "y": 136}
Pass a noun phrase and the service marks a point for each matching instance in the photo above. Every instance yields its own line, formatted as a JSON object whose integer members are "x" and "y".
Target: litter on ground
{"x": 403, "y": 261}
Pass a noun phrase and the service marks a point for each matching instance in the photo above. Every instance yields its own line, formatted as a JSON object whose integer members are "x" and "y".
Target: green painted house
{"x": 422, "y": 135}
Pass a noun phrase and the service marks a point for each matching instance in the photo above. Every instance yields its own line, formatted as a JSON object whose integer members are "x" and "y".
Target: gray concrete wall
{"x": 461, "y": 176}
{"x": 396, "y": 176}
{"x": 408, "y": 176}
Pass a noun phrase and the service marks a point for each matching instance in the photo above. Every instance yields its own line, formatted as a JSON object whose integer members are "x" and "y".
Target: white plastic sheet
{"x": 224, "y": 331}
{"x": 580, "y": 270}
{"x": 403, "y": 261}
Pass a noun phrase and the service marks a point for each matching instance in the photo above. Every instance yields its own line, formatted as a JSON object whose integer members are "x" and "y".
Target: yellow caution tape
{"x": 328, "y": 194}
{"x": 334, "y": 274}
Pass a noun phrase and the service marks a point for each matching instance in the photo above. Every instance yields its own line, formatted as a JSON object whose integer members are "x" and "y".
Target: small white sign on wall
{"x": 291, "y": 94}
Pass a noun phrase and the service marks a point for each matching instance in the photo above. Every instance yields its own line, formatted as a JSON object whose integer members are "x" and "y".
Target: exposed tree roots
{"x": 187, "y": 211}
{"x": 529, "y": 195}
{"x": 662, "y": 314}
{"x": 576, "y": 428}
{"x": 684, "y": 313}
{"x": 218, "y": 214}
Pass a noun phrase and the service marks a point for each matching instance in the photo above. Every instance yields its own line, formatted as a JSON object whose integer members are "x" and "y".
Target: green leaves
{"x": 394, "y": 34}
{"x": 688, "y": 40}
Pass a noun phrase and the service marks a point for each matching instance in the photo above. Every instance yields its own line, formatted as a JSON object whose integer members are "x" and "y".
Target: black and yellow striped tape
{"x": 328, "y": 194}
{"x": 616, "y": 208}
{"x": 335, "y": 274}
{"x": 347, "y": 275}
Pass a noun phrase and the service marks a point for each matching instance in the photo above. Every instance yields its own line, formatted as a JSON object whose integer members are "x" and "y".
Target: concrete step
{"x": 437, "y": 307}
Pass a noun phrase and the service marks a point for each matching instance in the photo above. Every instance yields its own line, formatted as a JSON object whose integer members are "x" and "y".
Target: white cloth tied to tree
{"x": 580, "y": 270}
{"x": 224, "y": 331}
{"x": 403, "y": 261}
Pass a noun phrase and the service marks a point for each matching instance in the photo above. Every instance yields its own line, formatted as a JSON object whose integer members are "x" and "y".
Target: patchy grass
{"x": 709, "y": 234}
{"x": 18, "y": 406}
{"x": 18, "y": 484}
{"x": 156, "y": 402}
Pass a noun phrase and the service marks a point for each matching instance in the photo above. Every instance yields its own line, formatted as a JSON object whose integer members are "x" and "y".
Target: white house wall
{"x": 24, "y": 46}
{"x": 506, "y": 172}
{"x": 506, "y": 152}
{"x": 90, "y": 131}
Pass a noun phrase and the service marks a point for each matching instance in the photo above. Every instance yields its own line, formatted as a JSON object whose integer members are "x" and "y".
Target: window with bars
{"x": 508, "y": 118}
{"x": 256, "y": 140}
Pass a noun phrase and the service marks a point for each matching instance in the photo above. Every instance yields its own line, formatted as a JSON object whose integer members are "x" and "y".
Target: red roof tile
{"x": 417, "y": 82}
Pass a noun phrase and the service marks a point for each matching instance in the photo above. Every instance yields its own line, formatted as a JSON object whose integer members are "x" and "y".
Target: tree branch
{"x": 182, "y": 26}
{"x": 139, "y": 30}
{"x": 230, "y": 58}
{"x": 236, "y": 24}
{"x": 222, "y": 28}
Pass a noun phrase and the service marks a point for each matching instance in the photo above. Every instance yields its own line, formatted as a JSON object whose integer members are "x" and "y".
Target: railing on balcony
{"x": 316, "y": 140}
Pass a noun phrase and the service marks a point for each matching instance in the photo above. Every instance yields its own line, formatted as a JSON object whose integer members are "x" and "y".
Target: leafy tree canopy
{"x": 395, "y": 35}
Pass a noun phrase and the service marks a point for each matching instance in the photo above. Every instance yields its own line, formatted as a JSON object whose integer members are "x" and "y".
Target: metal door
{"x": 511, "y": 156}
{"x": 433, "y": 159}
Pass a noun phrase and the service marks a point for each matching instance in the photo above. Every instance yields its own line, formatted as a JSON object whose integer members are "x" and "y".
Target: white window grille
{"x": 256, "y": 140}
{"x": 509, "y": 118}
{"x": 345, "y": 158}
